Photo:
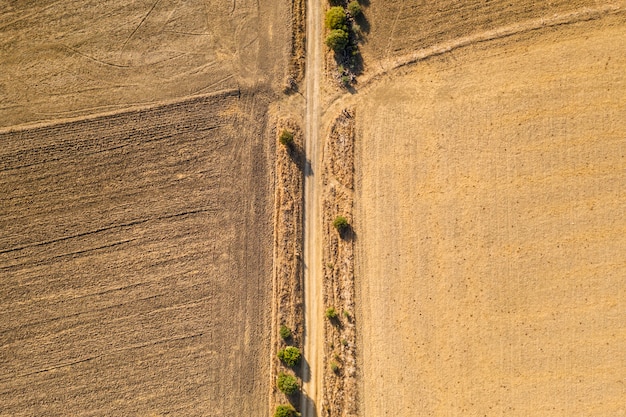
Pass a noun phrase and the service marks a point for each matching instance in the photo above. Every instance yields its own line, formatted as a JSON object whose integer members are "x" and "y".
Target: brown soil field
{"x": 68, "y": 58}
{"x": 136, "y": 262}
{"x": 490, "y": 202}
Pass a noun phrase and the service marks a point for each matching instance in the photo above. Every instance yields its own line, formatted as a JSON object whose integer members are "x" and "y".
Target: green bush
{"x": 285, "y": 332}
{"x": 331, "y": 313}
{"x": 337, "y": 40}
{"x": 334, "y": 366}
{"x": 289, "y": 355}
{"x": 286, "y": 411}
{"x": 336, "y": 18}
{"x": 341, "y": 223}
{"x": 286, "y": 138}
{"x": 287, "y": 384}
{"x": 354, "y": 8}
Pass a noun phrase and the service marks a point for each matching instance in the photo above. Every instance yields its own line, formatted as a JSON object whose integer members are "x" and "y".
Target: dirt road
{"x": 313, "y": 334}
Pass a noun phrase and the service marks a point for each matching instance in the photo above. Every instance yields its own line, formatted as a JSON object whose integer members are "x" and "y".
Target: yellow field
{"x": 491, "y": 231}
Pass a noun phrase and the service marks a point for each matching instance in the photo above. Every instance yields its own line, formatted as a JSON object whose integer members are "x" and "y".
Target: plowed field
{"x": 136, "y": 257}
{"x": 491, "y": 221}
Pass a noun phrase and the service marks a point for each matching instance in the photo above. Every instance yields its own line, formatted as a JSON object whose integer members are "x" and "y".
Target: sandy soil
{"x": 69, "y": 58}
{"x": 490, "y": 223}
{"x": 136, "y": 260}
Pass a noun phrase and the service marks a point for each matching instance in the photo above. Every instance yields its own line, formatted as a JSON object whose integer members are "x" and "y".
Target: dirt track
{"x": 314, "y": 330}
{"x": 136, "y": 263}
{"x": 490, "y": 228}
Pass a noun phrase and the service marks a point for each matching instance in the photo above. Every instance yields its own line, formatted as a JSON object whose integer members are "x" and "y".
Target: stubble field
{"x": 491, "y": 235}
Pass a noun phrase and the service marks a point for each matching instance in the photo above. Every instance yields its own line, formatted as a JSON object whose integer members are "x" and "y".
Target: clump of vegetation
{"x": 290, "y": 355}
{"x": 354, "y": 8}
{"x": 346, "y": 314}
{"x": 286, "y": 411}
{"x": 286, "y": 138}
{"x": 285, "y": 332}
{"x": 341, "y": 224}
{"x": 287, "y": 384}
{"x": 337, "y": 40}
{"x": 334, "y": 366}
{"x": 336, "y": 19}
{"x": 344, "y": 342}
{"x": 331, "y": 313}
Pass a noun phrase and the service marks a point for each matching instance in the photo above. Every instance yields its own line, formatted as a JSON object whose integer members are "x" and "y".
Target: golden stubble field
{"x": 490, "y": 204}
{"x": 63, "y": 59}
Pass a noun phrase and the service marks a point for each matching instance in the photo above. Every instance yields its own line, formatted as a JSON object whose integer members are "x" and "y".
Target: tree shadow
{"x": 362, "y": 21}
{"x": 308, "y": 407}
{"x": 347, "y": 233}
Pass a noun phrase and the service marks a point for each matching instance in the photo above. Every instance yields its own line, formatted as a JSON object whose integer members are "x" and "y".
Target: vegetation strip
{"x": 340, "y": 387}
{"x": 288, "y": 285}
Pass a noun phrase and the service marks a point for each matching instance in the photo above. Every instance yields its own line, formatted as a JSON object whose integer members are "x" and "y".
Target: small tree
{"x": 289, "y": 355}
{"x": 331, "y": 313}
{"x": 336, "y": 18}
{"x": 354, "y": 8}
{"x": 341, "y": 224}
{"x": 286, "y": 138}
{"x": 287, "y": 384}
{"x": 337, "y": 40}
{"x": 285, "y": 332}
{"x": 286, "y": 411}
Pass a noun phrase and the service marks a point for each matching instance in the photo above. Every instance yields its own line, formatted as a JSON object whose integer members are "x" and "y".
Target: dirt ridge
{"x": 340, "y": 385}
{"x": 288, "y": 285}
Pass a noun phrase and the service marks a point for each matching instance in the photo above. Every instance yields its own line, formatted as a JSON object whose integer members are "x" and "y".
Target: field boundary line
{"x": 138, "y": 108}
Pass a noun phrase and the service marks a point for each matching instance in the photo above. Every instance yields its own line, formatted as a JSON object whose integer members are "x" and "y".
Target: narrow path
{"x": 313, "y": 320}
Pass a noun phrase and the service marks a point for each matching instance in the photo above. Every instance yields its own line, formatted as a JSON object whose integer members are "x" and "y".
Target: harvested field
{"x": 397, "y": 27}
{"x": 136, "y": 261}
{"x": 68, "y": 58}
{"x": 490, "y": 201}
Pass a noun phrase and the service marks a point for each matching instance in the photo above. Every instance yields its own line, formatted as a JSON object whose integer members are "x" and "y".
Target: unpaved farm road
{"x": 313, "y": 321}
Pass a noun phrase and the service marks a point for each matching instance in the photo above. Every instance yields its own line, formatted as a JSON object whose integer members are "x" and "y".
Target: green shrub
{"x": 336, "y": 18}
{"x": 334, "y": 366}
{"x": 287, "y": 384}
{"x": 337, "y": 40}
{"x": 354, "y": 8}
{"x": 285, "y": 332}
{"x": 286, "y": 411}
{"x": 286, "y": 138}
{"x": 341, "y": 223}
{"x": 331, "y": 313}
{"x": 289, "y": 355}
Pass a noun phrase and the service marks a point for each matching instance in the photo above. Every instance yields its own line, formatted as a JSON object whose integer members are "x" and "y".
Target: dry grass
{"x": 490, "y": 202}
{"x": 136, "y": 262}
{"x": 288, "y": 286}
{"x": 340, "y": 384}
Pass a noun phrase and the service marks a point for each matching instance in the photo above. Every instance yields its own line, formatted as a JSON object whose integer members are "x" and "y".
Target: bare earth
{"x": 491, "y": 231}
{"x": 69, "y": 58}
{"x": 136, "y": 263}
